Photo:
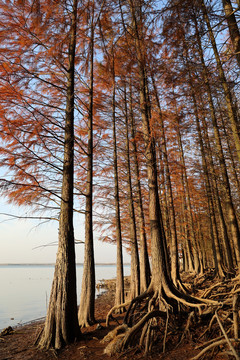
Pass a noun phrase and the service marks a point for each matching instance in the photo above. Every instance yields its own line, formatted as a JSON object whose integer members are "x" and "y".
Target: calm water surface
{"x": 25, "y": 290}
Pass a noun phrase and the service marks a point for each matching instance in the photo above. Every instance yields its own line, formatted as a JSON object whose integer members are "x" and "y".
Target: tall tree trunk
{"x": 61, "y": 325}
{"x": 145, "y": 271}
{"x": 163, "y": 193}
{"x": 223, "y": 228}
{"x": 87, "y": 300}
{"x": 198, "y": 266}
{"x": 213, "y": 223}
{"x": 119, "y": 296}
{"x": 160, "y": 275}
{"x": 135, "y": 273}
{"x": 174, "y": 243}
{"x": 185, "y": 231}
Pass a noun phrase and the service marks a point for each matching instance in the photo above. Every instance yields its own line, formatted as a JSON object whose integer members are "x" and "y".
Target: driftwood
{"x": 7, "y": 331}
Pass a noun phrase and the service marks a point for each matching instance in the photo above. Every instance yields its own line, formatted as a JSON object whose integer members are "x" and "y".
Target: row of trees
{"x": 127, "y": 112}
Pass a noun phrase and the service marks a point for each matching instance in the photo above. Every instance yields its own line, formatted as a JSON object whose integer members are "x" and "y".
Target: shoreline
{"x": 33, "y": 283}
{"x": 106, "y": 286}
{"x": 20, "y": 343}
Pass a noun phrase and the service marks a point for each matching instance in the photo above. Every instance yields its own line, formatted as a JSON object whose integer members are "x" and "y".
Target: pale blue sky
{"x": 19, "y": 239}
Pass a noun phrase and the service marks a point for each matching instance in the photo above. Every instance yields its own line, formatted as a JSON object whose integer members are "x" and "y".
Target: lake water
{"x": 25, "y": 290}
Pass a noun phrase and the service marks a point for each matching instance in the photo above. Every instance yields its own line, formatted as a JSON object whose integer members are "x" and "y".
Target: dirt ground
{"x": 20, "y": 344}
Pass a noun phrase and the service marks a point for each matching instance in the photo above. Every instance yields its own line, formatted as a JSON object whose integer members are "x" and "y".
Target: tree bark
{"x": 135, "y": 271}
{"x": 198, "y": 266}
{"x": 145, "y": 271}
{"x": 185, "y": 231}
{"x": 174, "y": 242}
{"x": 61, "y": 325}
{"x": 233, "y": 28}
{"x": 119, "y": 296}
{"x": 160, "y": 276}
{"x": 213, "y": 223}
{"x": 87, "y": 300}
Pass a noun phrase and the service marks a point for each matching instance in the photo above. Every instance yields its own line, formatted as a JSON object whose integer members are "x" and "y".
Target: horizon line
{"x": 98, "y": 263}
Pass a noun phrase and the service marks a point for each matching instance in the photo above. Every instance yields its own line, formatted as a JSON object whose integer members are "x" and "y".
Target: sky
{"x": 23, "y": 241}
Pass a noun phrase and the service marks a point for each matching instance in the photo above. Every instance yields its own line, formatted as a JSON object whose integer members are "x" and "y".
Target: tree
{"x": 145, "y": 272}
{"x": 61, "y": 325}
{"x": 175, "y": 275}
{"x": 120, "y": 296}
{"x": 38, "y": 65}
{"x": 135, "y": 272}
{"x": 161, "y": 285}
{"x": 87, "y": 299}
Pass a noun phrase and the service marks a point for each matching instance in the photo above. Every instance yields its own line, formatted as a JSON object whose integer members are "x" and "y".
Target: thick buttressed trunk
{"x": 119, "y": 296}
{"x": 173, "y": 230}
{"x": 161, "y": 282}
{"x": 160, "y": 275}
{"x": 61, "y": 325}
{"x": 161, "y": 290}
{"x": 87, "y": 300}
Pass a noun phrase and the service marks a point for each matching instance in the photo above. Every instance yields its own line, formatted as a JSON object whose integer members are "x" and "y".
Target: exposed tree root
{"x": 186, "y": 330}
{"x": 236, "y": 305}
{"x": 144, "y": 316}
{"x": 211, "y": 346}
{"x": 122, "y": 337}
{"x": 156, "y": 316}
{"x": 115, "y": 309}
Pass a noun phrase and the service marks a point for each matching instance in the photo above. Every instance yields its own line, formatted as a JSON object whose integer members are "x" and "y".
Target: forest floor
{"x": 19, "y": 344}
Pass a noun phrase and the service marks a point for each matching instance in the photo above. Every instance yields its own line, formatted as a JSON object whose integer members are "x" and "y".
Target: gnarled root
{"x": 152, "y": 314}
{"x": 122, "y": 337}
{"x": 213, "y": 345}
{"x": 114, "y": 309}
{"x": 114, "y": 338}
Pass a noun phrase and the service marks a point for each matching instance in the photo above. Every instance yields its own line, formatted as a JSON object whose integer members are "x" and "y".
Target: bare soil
{"x": 20, "y": 344}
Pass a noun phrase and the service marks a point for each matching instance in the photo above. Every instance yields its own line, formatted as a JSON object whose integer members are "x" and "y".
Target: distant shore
{"x": 52, "y": 264}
